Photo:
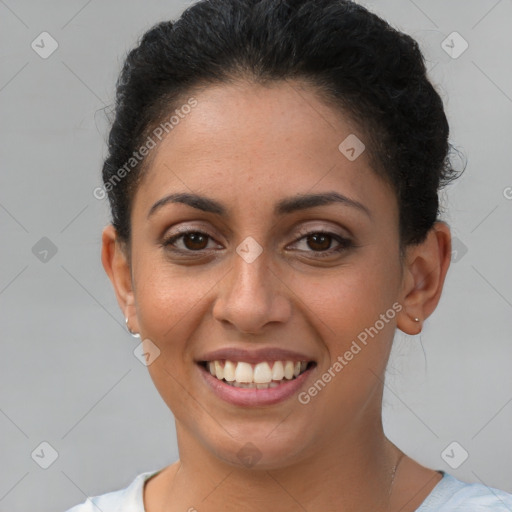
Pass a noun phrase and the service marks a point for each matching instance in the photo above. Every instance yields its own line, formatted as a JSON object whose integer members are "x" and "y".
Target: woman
{"x": 273, "y": 175}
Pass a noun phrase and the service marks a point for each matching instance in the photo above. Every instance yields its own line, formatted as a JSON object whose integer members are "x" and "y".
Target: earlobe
{"x": 409, "y": 323}
{"x": 116, "y": 265}
{"x": 426, "y": 267}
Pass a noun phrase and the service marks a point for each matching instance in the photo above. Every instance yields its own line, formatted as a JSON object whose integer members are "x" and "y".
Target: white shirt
{"x": 449, "y": 495}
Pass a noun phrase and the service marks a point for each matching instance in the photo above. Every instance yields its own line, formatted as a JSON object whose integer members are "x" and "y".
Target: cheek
{"x": 359, "y": 291}
{"x": 170, "y": 304}
{"x": 355, "y": 303}
{"x": 169, "y": 299}
{"x": 354, "y": 317}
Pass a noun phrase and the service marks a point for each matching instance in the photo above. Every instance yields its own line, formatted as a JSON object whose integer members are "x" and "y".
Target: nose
{"x": 251, "y": 296}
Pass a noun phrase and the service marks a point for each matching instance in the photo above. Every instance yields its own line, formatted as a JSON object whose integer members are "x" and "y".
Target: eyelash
{"x": 345, "y": 243}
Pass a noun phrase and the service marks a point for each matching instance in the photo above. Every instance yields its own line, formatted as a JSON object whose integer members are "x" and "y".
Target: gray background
{"x": 69, "y": 375}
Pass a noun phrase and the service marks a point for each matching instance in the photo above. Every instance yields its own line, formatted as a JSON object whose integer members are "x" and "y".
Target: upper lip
{"x": 254, "y": 356}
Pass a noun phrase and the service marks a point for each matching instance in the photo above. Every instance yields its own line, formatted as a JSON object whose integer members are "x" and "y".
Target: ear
{"x": 425, "y": 268}
{"x": 114, "y": 256}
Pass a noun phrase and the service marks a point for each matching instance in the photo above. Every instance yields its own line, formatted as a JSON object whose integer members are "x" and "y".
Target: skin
{"x": 330, "y": 454}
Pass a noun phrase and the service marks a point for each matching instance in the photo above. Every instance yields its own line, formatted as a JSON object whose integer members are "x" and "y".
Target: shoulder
{"x": 129, "y": 499}
{"x": 453, "y": 495}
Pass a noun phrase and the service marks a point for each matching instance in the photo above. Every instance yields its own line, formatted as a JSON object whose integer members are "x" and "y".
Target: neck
{"x": 353, "y": 470}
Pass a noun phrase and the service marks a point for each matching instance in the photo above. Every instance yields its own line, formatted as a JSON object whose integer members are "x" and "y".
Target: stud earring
{"x": 416, "y": 319}
{"x": 134, "y": 334}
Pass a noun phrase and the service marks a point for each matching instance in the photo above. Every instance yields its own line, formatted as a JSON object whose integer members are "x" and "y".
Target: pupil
{"x": 195, "y": 239}
{"x": 321, "y": 238}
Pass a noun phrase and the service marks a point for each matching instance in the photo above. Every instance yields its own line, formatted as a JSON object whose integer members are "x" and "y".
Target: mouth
{"x": 261, "y": 384}
{"x": 261, "y": 375}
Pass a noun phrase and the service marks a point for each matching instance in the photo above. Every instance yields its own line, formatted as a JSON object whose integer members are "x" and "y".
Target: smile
{"x": 263, "y": 375}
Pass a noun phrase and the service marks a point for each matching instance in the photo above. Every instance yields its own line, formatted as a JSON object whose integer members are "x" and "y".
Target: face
{"x": 262, "y": 276}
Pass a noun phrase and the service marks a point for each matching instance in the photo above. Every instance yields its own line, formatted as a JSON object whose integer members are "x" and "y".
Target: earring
{"x": 134, "y": 334}
{"x": 416, "y": 319}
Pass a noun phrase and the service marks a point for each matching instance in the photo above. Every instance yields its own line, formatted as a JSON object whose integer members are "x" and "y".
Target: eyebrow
{"x": 285, "y": 206}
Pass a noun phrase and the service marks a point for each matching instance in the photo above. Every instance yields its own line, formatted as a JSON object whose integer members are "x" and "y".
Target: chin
{"x": 260, "y": 448}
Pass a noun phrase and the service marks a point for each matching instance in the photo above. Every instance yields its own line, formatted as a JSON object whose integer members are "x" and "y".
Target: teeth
{"x": 261, "y": 376}
{"x": 243, "y": 372}
{"x": 278, "y": 371}
{"x": 262, "y": 373}
{"x": 288, "y": 370}
{"x": 219, "y": 370}
{"x": 229, "y": 371}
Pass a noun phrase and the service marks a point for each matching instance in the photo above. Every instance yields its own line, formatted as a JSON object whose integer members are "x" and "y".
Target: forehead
{"x": 249, "y": 144}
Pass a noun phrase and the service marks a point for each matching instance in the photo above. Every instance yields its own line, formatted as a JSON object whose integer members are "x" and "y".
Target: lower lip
{"x": 252, "y": 396}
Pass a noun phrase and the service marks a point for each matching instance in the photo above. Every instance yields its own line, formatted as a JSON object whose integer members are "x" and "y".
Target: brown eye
{"x": 191, "y": 241}
{"x": 319, "y": 241}
{"x": 196, "y": 241}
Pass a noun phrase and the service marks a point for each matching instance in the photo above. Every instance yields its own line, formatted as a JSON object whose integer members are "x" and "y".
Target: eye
{"x": 192, "y": 241}
{"x": 321, "y": 241}
{"x": 318, "y": 242}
